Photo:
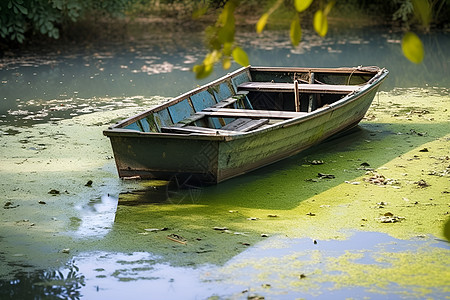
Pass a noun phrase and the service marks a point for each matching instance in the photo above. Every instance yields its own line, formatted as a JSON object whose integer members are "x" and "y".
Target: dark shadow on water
{"x": 209, "y": 218}
{"x": 284, "y": 185}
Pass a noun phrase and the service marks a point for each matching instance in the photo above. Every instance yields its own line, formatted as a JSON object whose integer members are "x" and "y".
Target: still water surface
{"x": 64, "y": 82}
{"x": 49, "y": 86}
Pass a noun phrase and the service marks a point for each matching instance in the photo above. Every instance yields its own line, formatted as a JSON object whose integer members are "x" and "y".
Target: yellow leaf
{"x": 296, "y": 32}
{"x": 240, "y": 56}
{"x": 320, "y": 23}
{"x": 422, "y": 10}
{"x": 226, "y": 63}
{"x": 412, "y": 47}
{"x": 301, "y": 5}
{"x": 262, "y": 23}
{"x": 328, "y": 7}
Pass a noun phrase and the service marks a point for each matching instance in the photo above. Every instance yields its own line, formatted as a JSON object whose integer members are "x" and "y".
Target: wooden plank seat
{"x": 196, "y": 129}
{"x": 302, "y": 88}
{"x": 245, "y": 124}
{"x": 236, "y": 126}
{"x": 222, "y": 104}
{"x": 230, "y": 101}
{"x": 251, "y": 113}
{"x": 187, "y": 121}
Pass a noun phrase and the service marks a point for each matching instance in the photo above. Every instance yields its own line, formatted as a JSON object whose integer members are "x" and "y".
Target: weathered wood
{"x": 296, "y": 96}
{"x": 302, "y": 88}
{"x": 251, "y": 113}
{"x": 312, "y": 96}
{"x": 343, "y": 70}
{"x": 245, "y": 124}
{"x": 196, "y": 129}
{"x": 214, "y": 155}
{"x": 193, "y": 118}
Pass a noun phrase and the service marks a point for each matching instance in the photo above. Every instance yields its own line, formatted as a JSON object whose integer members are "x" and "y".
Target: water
{"x": 65, "y": 82}
{"x": 54, "y": 105}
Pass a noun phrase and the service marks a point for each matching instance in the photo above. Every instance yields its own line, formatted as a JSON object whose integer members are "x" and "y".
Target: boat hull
{"x": 212, "y": 158}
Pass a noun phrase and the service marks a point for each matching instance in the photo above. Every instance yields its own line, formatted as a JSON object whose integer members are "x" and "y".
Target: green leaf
{"x": 226, "y": 33}
{"x": 202, "y": 71}
{"x": 422, "y": 10}
{"x": 240, "y": 56}
{"x": 320, "y": 23}
{"x": 200, "y": 12}
{"x": 22, "y": 9}
{"x": 227, "y": 49}
{"x": 301, "y": 5}
{"x": 262, "y": 23}
{"x": 296, "y": 32}
{"x": 412, "y": 47}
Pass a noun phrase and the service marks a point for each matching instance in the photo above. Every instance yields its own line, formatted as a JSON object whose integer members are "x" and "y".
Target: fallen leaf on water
{"x": 177, "y": 238}
{"x": 422, "y": 183}
{"x": 325, "y": 176}
{"x": 220, "y": 228}
{"x": 390, "y": 218}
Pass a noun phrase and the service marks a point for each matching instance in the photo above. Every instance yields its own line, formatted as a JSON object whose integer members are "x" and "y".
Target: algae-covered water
{"x": 71, "y": 229}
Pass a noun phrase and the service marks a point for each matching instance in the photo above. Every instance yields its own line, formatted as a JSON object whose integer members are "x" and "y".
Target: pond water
{"x": 278, "y": 232}
{"x": 63, "y": 82}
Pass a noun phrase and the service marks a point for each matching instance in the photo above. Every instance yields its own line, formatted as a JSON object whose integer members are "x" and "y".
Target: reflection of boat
{"x": 245, "y": 120}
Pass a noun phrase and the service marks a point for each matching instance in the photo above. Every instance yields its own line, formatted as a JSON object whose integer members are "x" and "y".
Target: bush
{"x": 19, "y": 17}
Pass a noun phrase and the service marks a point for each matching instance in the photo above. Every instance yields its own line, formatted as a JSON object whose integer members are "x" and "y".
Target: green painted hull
{"x": 215, "y": 158}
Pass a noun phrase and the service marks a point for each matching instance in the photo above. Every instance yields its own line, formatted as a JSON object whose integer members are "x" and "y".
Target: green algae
{"x": 391, "y": 142}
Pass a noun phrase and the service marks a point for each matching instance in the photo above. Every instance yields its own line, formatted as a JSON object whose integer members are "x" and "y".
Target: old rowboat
{"x": 247, "y": 119}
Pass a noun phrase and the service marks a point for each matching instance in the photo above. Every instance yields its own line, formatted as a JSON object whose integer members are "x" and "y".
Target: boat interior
{"x": 250, "y": 99}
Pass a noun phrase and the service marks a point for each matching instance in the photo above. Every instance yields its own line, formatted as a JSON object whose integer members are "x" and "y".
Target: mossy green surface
{"x": 404, "y": 138}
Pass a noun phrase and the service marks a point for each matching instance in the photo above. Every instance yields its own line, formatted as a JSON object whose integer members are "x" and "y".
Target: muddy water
{"x": 71, "y": 228}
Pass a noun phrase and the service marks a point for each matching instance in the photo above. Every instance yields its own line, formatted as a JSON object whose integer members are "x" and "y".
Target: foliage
{"x": 220, "y": 37}
{"x": 18, "y": 17}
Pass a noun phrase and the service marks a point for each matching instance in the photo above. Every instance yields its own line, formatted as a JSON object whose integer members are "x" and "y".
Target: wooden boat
{"x": 247, "y": 119}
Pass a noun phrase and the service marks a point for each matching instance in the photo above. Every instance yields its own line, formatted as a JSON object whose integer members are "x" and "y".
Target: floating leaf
{"x": 301, "y": 5}
{"x": 262, "y": 23}
{"x": 422, "y": 10}
{"x": 296, "y": 32}
{"x": 320, "y": 23}
{"x": 240, "y": 56}
{"x": 412, "y": 47}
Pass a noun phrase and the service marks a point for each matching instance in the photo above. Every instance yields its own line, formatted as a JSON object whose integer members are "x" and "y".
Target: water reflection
{"x": 97, "y": 217}
{"x": 65, "y": 283}
{"x": 310, "y": 269}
